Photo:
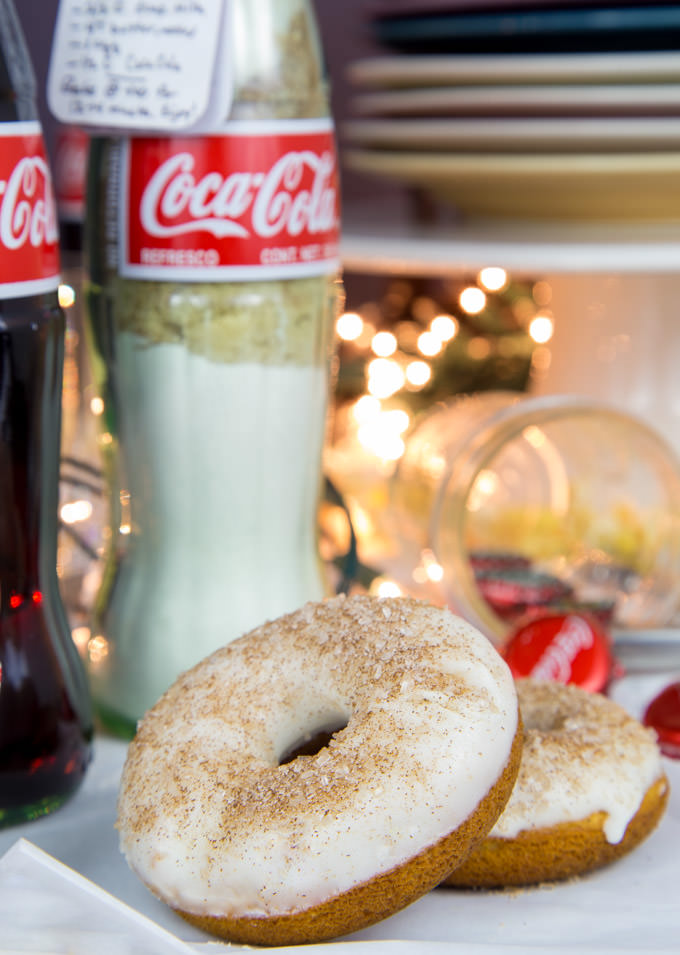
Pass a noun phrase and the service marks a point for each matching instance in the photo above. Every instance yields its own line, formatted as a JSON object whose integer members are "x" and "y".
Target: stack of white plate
{"x": 531, "y": 110}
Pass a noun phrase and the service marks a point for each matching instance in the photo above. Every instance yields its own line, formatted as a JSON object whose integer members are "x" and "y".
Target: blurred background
{"x": 510, "y": 224}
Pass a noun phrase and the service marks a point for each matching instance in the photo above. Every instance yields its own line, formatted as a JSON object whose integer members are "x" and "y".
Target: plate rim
{"x": 514, "y": 164}
{"x": 396, "y": 71}
{"x": 495, "y": 132}
{"x": 432, "y": 100}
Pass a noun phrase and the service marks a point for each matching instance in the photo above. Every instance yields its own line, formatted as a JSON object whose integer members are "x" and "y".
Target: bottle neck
{"x": 18, "y": 89}
{"x": 283, "y": 78}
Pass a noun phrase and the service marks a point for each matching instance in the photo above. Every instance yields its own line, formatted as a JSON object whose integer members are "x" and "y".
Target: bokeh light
{"x": 472, "y": 300}
{"x": 349, "y": 326}
{"x": 492, "y": 278}
{"x": 384, "y": 344}
{"x": 541, "y": 329}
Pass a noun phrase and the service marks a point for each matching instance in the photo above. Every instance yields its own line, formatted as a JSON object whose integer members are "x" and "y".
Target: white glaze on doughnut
{"x": 211, "y": 821}
{"x": 582, "y": 754}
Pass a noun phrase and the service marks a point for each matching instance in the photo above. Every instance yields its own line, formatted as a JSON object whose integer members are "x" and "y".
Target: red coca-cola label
{"x": 29, "y": 236}
{"x": 258, "y": 201}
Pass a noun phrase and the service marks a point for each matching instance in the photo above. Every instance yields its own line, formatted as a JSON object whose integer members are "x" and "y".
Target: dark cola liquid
{"x": 45, "y": 721}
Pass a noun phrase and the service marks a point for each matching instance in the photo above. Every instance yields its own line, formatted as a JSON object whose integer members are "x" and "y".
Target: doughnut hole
{"x": 312, "y": 742}
{"x": 307, "y": 728}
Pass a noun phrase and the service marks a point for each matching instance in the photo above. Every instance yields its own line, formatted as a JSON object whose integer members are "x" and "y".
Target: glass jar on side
{"x": 506, "y": 492}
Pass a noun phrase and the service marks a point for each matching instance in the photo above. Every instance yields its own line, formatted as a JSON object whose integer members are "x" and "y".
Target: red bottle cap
{"x": 663, "y": 715}
{"x": 510, "y": 592}
{"x": 601, "y": 610}
{"x": 481, "y": 560}
{"x": 565, "y": 648}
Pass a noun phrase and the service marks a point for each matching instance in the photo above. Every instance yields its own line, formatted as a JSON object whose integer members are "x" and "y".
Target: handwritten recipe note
{"x": 137, "y": 64}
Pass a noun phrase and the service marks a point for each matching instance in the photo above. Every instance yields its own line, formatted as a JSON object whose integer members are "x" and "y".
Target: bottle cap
{"x": 483, "y": 560}
{"x": 663, "y": 715}
{"x": 565, "y": 648}
{"x": 601, "y": 610}
{"x": 509, "y": 592}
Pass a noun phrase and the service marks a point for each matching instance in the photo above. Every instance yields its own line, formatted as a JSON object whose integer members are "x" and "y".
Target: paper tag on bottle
{"x": 141, "y": 65}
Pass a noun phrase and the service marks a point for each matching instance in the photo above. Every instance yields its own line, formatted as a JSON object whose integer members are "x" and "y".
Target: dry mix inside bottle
{"x": 213, "y": 285}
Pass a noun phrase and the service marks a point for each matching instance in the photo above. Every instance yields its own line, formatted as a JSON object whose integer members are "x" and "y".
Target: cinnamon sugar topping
{"x": 582, "y": 754}
{"x": 209, "y": 816}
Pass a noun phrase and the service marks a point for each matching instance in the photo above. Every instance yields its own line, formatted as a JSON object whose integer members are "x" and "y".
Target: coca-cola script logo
{"x": 232, "y": 205}
{"x": 556, "y": 661}
{"x": 564, "y": 648}
{"x": 29, "y": 237}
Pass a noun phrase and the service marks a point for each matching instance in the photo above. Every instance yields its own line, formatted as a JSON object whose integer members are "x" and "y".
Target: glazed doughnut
{"x": 422, "y": 722}
{"x": 591, "y": 787}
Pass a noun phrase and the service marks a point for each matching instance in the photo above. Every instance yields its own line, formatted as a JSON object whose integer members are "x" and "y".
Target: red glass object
{"x": 45, "y": 713}
{"x": 495, "y": 560}
{"x": 601, "y": 610}
{"x": 663, "y": 715}
{"x": 511, "y": 592}
{"x": 565, "y": 648}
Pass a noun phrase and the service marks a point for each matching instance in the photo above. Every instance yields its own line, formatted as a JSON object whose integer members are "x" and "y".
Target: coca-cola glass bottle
{"x": 45, "y": 710}
{"x": 211, "y": 314}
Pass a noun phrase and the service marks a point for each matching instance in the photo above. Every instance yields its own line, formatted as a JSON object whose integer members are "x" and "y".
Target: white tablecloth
{"x": 631, "y": 907}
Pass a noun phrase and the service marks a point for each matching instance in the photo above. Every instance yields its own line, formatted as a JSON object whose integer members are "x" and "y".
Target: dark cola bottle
{"x": 45, "y": 711}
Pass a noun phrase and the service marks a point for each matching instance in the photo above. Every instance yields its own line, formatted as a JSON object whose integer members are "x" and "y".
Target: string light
{"x": 384, "y": 587}
{"x": 366, "y": 408}
{"x": 384, "y": 344}
{"x": 492, "y": 278}
{"x": 384, "y": 444}
{"x": 435, "y": 572}
{"x": 444, "y": 327}
{"x": 429, "y": 344}
{"x": 381, "y": 432}
{"x": 66, "y": 295}
{"x": 396, "y": 419}
{"x": 418, "y": 373}
{"x": 349, "y": 326}
{"x": 75, "y": 511}
{"x": 541, "y": 329}
{"x": 385, "y": 377}
{"x": 472, "y": 300}
{"x": 431, "y": 568}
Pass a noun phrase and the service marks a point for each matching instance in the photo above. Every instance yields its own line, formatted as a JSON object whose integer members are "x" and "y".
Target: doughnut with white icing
{"x": 258, "y": 848}
{"x": 591, "y": 787}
